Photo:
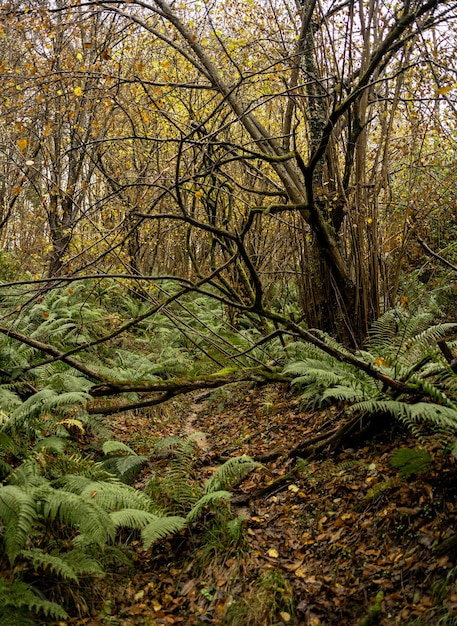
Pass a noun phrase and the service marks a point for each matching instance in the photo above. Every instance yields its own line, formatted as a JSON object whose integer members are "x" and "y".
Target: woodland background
{"x": 204, "y": 195}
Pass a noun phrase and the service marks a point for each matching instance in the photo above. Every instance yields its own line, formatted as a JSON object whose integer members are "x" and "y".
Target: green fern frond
{"x": 230, "y": 473}
{"x": 133, "y": 518}
{"x": 84, "y": 564}
{"x": 28, "y": 474}
{"x": 179, "y": 446}
{"x": 47, "y": 400}
{"x": 110, "y": 494}
{"x": 124, "y": 466}
{"x": 418, "y": 412}
{"x": 68, "y": 381}
{"x": 346, "y": 393}
{"x": 18, "y": 514}
{"x": 9, "y": 399}
{"x": 7, "y": 444}
{"x": 434, "y": 392}
{"x": 410, "y": 461}
{"x": 70, "y": 565}
{"x": 161, "y": 528}
{"x": 111, "y": 446}
{"x": 174, "y": 492}
{"x": 78, "y": 512}
{"x": 18, "y": 599}
{"x": 115, "y": 496}
{"x": 210, "y": 500}
{"x": 435, "y": 333}
{"x": 51, "y": 444}
{"x": 55, "y": 564}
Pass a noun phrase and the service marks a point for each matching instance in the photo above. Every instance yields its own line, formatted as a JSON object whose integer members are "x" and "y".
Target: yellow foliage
{"x": 23, "y": 143}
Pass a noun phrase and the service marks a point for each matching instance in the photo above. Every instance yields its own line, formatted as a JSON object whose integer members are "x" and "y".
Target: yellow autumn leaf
{"x": 442, "y": 91}
{"x": 273, "y": 553}
{"x": 22, "y": 143}
{"x": 286, "y": 617}
{"x": 199, "y": 193}
{"x": 78, "y": 91}
{"x": 79, "y": 56}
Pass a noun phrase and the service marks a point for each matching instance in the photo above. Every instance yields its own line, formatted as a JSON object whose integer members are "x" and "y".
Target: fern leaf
{"x": 133, "y": 518}
{"x": 52, "y": 443}
{"x": 342, "y": 393}
{"x": 116, "y": 446}
{"x": 27, "y": 475}
{"x": 161, "y": 528}
{"x": 210, "y": 500}
{"x": 7, "y": 444}
{"x": 115, "y": 496}
{"x": 42, "y": 561}
{"x": 18, "y": 598}
{"x": 18, "y": 514}
{"x": 124, "y": 466}
{"x": 230, "y": 473}
{"x": 420, "y": 411}
{"x": 82, "y": 563}
{"x": 411, "y": 462}
{"x": 92, "y": 521}
{"x": 434, "y": 333}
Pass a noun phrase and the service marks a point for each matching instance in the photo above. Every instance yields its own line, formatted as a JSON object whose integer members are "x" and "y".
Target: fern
{"x": 51, "y": 444}
{"x": 328, "y": 380}
{"x": 160, "y": 528}
{"x": 45, "y": 401}
{"x": 411, "y": 462}
{"x": 28, "y": 474}
{"x": 230, "y": 473}
{"x": 18, "y": 514}
{"x": 68, "y": 565}
{"x": 132, "y": 518}
{"x": 209, "y": 500}
{"x": 116, "y": 446}
{"x": 403, "y": 346}
{"x": 55, "y": 564}
{"x": 18, "y": 600}
{"x": 409, "y": 413}
{"x": 108, "y": 494}
{"x": 81, "y": 514}
{"x": 125, "y": 463}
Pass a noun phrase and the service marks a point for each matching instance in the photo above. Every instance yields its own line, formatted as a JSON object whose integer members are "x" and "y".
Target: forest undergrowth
{"x": 350, "y": 538}
{"x": 183, "y": 470}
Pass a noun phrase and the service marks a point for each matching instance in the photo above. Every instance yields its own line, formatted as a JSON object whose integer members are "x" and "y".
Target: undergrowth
{"x": 66, "y": 495}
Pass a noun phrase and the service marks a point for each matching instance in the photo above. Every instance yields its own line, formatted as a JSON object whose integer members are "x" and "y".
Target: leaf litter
{"x": 345, "y": 541}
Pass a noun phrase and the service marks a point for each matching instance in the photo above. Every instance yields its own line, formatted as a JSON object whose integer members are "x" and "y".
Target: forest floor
{"x": 344, "y": 541}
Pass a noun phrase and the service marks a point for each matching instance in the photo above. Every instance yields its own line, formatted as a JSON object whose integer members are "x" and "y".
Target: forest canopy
{"x": 288, "y": 158}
